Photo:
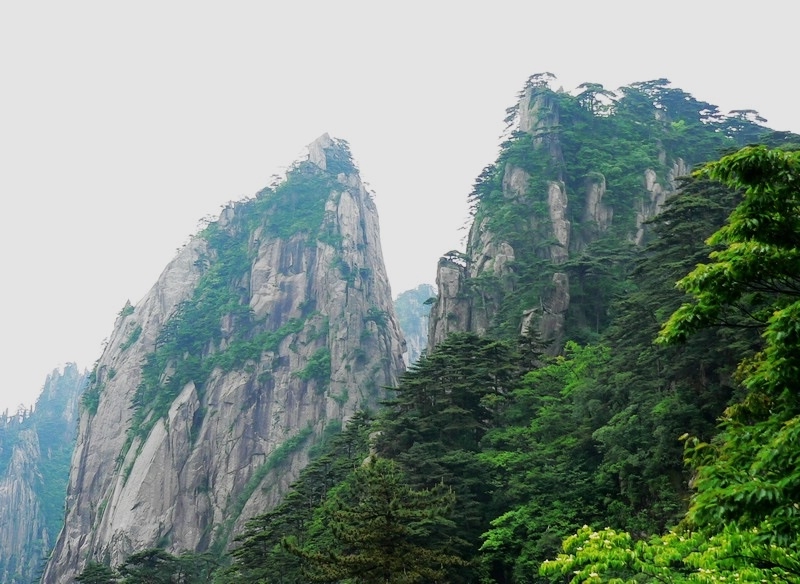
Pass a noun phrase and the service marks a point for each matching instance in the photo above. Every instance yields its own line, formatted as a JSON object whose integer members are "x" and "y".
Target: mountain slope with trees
{"x": 742, "y": 523}
{"x": 266, "y": 333}
{"x": 35, "y": 451}
{"x": 543, "y": 404}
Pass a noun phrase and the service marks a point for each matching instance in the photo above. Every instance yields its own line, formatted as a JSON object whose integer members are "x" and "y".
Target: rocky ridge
{"x": 472, "y": 285}
{"x": 35, "y": 448}
{"x": 266, "y": 333}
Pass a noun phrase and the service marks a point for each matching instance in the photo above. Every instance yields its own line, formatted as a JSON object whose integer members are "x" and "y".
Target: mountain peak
{"x": 331, "y": 154}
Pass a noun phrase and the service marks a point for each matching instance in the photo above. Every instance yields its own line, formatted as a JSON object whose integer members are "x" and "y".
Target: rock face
{"x": 413, "y": 312}
{"x": 543, "y": 226}
{"x": 268, "y": 330}
{"x": 35, "y": 448}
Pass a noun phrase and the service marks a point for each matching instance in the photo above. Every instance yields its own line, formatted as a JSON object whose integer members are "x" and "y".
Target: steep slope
{"x": 35, "y": 449}
{"x": 267, "y": 331}
{"x": 558, "y": 216}
{"x": 413, "y": 310}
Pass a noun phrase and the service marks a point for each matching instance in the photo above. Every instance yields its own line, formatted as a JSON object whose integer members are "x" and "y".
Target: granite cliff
{"x": 35, "y": 450}
{"x": 413, "y": 309}
{"x": 264, "y": 335}
{"x": 578, "y": 176}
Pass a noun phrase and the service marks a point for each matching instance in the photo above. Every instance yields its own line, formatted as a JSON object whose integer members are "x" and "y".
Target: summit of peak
{"x": 330, "y": 154}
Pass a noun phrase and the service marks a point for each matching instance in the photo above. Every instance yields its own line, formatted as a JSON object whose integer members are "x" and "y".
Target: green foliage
{"x": 241, "y": 351}
{"x": 188, "y": 347}
{"x": 132, "y": 338}
{"x": 433, "y": 427}
{"x": 258, "y": 554}
{"x": 679, "y": 556}
{"x": 152, "y": 566}
{"x": 127, "y": 310}
{"x": 594, "y": 139}
{"x": 748, "y": 474}
{"x": 298, "y": 204}
{"x": 542, "y": 459}
{"x": 90, "y": 400}
{"x": 318, "y": 368}
{"x": 488, "y": 454}
{"x": 378, "y": 316}
{"x": 42, "y": 439}
{"x": 593, "y": 437}
{"x": 339, "y": 159}
{"x": 754, "y": 274}
{"x": 194, "y": 330}
{"x": 56, "y": 437}
{"x": 654, "y": 394}
{"x": 156, "y": 566}
{"x": 598, "y": 277}
{"x": 374, "y": 528}
{"x": 742, "y": 522}
{"x": 97, "y": 573}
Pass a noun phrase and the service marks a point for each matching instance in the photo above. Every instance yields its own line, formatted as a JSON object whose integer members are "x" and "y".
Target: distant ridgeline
{"x": 413, "y": 308}
{"x": 35, "y": 451}
{"x": 275, "y": 439}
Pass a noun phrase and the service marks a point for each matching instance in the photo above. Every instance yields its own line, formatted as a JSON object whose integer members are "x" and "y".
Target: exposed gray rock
{"x": 34, "y": 448}
{"x": 471, "y": 290}
{"x": 413, "y": 311}
{"x": 557, "y": 207}
{"x": 452, "y": 311}
{"x": 21, "y": 514}
{"x": 554, "y": 309}
{"x": 229, "y": 446}
{"x": 656, "y": 194}
{"x": 515, "y": 181}
{"x": 595, "y": 210}
{"x": 536, "y": 114}
{"x": 541, "y": 215}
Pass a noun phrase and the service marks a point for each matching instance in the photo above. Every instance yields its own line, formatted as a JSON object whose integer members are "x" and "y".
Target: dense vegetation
{"x": 743, "y": 522}
{"x": 498, "y": 459}
{"x": 593, "y": 137}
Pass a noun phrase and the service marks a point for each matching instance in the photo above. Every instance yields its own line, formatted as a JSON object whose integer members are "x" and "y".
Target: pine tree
{"x": 375, "y": 529}
{"x": 97, "y": 573}
{"x": 258, "y": 554}
{"x": 435, "y": 424}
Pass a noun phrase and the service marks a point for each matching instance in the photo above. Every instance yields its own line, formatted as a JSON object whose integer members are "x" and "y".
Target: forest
{"x": 659, "y": 442}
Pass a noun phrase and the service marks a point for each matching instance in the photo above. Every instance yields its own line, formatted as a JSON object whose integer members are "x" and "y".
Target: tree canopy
{"x": 674, "y": 460}
{"x": 743, "y": 522}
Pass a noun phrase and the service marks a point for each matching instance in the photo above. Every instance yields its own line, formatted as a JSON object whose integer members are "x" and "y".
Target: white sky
{"x": 124, "y": 124}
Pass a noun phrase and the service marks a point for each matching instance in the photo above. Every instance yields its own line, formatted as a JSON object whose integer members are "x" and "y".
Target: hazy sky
{"x": 122, "y": 125}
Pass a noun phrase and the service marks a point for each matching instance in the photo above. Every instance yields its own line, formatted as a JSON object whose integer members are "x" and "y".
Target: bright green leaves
{"x": 298, "y": 204}
{"x": 677, "y": 557}
{"x": 751, "y": 478}
{"x": 594, "y": 556}
{"x": 754, "y": 279}
{"x": 744, "y": 515}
